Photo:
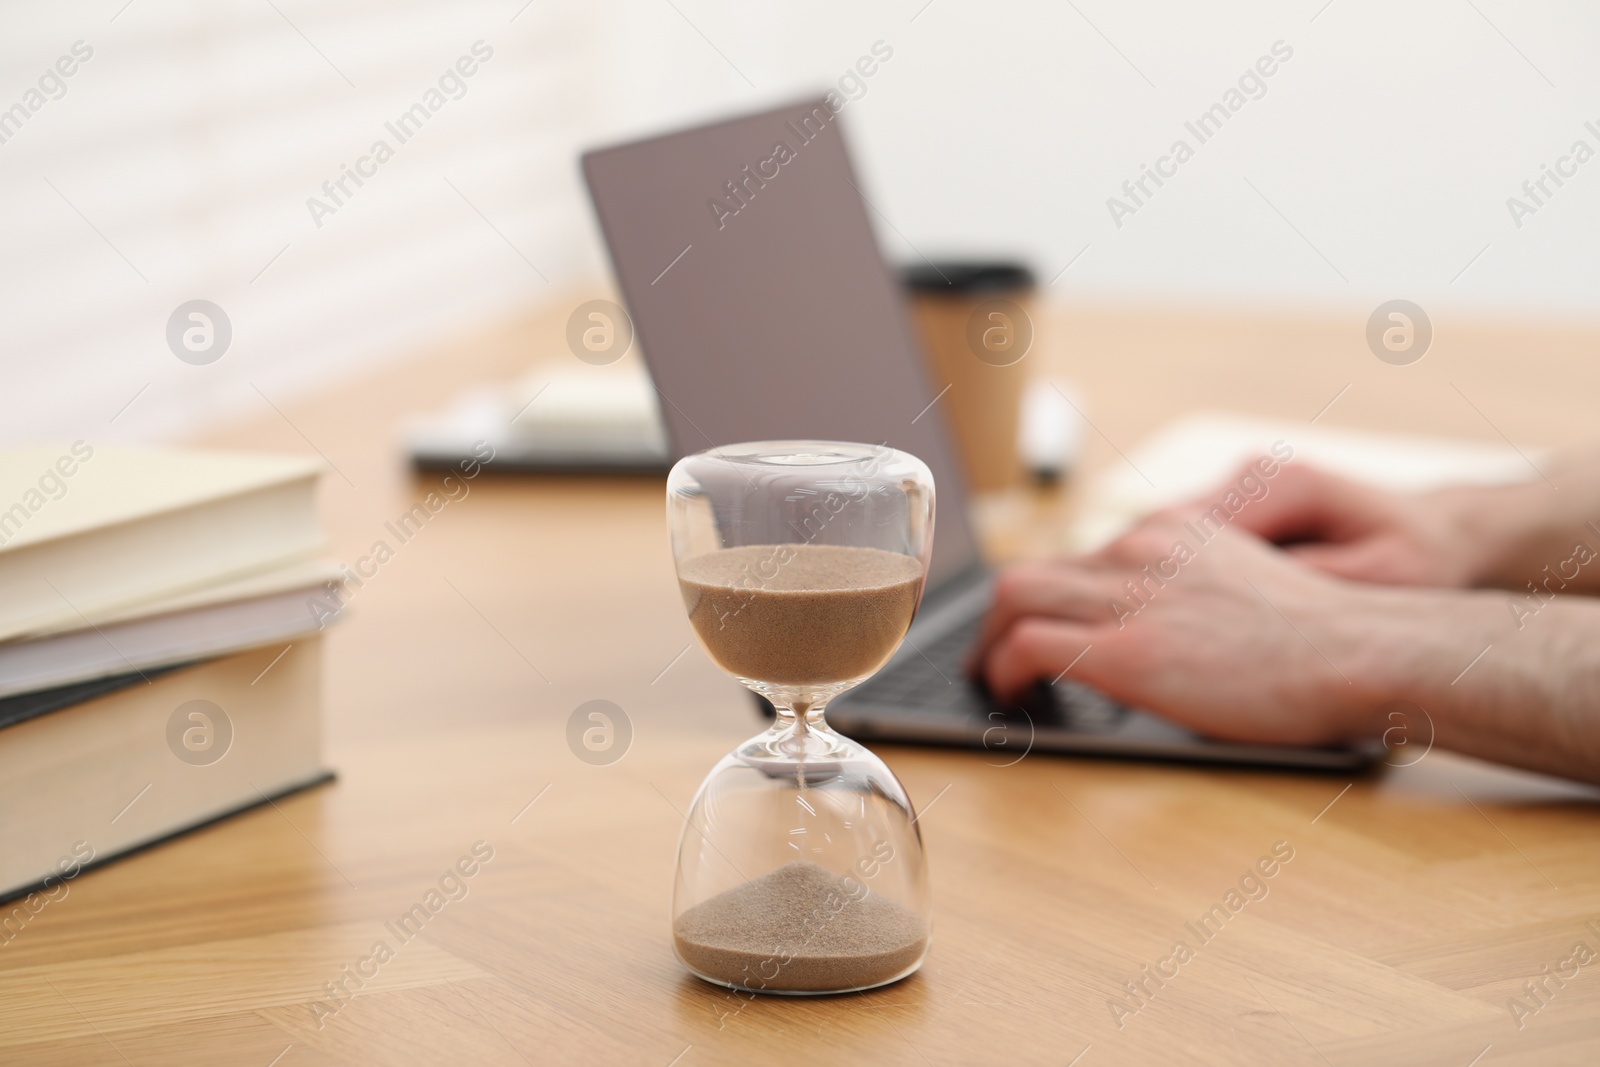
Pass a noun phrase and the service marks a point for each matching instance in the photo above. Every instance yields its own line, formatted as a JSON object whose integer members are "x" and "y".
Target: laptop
{"x": 745, "y": 253}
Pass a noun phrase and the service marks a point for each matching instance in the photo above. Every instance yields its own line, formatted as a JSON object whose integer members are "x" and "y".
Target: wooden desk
{"x": 1409, "y": 915}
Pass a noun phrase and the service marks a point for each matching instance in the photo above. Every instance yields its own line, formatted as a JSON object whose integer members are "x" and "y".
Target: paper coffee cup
{"x": 976, "y": 330}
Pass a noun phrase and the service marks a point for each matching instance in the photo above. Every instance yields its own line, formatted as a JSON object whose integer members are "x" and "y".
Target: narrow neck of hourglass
{"x": 802, "y": 710}
{"x": 802, "y": 730}
{"x": 799, "y": 730}
{"x": 801, "y": 715}
{"x": 798, "y": 701}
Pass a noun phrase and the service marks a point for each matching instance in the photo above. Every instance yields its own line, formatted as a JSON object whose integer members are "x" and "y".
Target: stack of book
{"x": 160, "y": 616}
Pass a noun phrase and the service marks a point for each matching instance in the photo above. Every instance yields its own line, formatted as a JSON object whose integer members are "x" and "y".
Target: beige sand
{"x": 796, "y": 930}
{"x": 801, "y": 614}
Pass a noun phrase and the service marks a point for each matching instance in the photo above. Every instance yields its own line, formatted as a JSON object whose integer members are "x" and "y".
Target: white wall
{"x": 1390, "y": 141}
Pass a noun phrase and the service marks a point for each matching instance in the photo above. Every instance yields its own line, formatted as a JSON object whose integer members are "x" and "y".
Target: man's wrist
{"x": 1400, "y": 644}
{"x": 1367, "y": 639}
{"x": 1493, "y": 530}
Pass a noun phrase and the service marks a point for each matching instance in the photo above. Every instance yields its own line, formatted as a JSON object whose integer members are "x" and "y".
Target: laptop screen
{"x": 761, "y": 302}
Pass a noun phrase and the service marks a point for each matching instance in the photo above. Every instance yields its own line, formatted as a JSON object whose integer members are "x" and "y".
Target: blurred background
{"x": 177, "y": 160}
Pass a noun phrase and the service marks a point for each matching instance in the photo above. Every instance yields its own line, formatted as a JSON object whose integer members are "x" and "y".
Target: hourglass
{"x": 801, "y": 564}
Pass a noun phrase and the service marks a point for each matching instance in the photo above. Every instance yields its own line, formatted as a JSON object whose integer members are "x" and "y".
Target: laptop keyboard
{"x": 935, "y": 681}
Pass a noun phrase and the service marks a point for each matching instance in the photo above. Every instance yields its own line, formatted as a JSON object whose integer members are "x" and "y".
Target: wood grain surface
{"x": 1416, "y": 904}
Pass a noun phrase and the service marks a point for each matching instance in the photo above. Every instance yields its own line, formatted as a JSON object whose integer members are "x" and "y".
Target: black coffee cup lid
{"x": 966, "y": 276}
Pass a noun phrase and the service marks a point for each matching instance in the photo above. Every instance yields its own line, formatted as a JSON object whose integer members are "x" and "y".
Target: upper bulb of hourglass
{"x": 801, "y": 622}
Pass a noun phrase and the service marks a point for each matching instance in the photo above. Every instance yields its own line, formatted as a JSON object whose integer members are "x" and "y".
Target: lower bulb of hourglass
{"x": 801, "y": 875}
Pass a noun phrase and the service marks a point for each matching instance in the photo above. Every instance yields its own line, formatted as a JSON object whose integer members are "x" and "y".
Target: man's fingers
{"x": 1062, "y": 590}
{"x": 1300, "y": 503}
{"x": 1034, "y": 649}
{"x": 1368, "y": 561}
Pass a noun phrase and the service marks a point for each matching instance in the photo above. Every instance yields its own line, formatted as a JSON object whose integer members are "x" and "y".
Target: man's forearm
{"x": 1539, "y": 537}
{"x": 1528, "y": 697}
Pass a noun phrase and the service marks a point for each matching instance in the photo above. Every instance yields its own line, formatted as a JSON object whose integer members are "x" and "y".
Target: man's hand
{"x": 1498, "y": 536}
{"x": 1354, "y": 531}
{"x": 1231, "y": 637}
{"x": 1238, "y": 640}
